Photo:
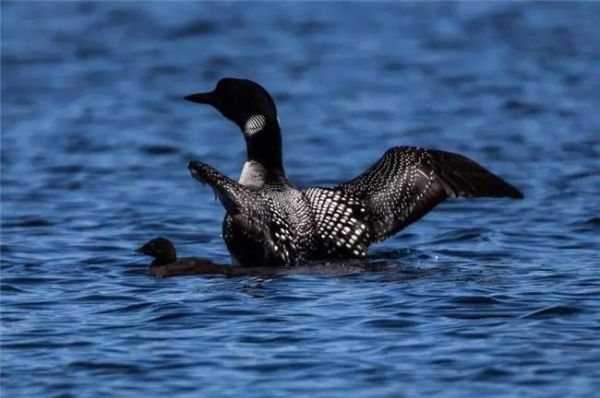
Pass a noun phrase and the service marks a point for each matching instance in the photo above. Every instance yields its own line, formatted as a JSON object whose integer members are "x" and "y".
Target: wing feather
{"x": 407, "y": 182}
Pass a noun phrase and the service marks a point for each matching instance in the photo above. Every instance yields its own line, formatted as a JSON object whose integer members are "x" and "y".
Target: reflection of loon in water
{"x": 270, "y": 222}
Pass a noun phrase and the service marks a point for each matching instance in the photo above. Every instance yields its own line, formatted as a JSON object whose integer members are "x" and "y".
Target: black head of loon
{"x": 250, "y": 106}
{"x": 240, "y": 101}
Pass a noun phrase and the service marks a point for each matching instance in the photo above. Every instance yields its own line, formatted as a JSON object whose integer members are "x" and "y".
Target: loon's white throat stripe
{"x": 254, "y": 124}
{"x": 253, "y": 174}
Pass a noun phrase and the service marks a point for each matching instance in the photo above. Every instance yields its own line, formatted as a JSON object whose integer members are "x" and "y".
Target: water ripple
{"x": 493, "y": 297}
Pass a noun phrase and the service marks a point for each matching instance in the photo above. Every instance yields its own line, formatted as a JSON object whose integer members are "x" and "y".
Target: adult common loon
{"x": 270, "y": 222}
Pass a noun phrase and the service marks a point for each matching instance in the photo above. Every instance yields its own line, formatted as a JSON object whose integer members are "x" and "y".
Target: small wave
{"x": 474, "y": 300}
{"x": 201, "y": 27}
{"x": 159, "y": 149}
{"x": 553, "y": 311}
{"x": 390, "y": 323}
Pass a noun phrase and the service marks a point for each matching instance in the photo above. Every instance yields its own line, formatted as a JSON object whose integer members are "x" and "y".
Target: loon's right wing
{"x": 407, "y": 182}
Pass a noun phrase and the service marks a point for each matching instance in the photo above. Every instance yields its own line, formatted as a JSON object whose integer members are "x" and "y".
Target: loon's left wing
{"x": 407, "y": 182}
{"x": 231, "y": 194}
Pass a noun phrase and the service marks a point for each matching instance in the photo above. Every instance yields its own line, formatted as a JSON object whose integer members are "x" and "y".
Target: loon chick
{"x": 161, "y": 249}
{"x": 166, "y": 263}
{"x": 270, "y": 222}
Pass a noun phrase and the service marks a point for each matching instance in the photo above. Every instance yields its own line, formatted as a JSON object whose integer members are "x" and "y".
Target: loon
{"x": 268, "y": 221}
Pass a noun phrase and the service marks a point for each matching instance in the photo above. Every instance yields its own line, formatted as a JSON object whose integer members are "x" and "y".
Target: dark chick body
{"x": 167, "y": 264}
{"x": 270, "y": 222}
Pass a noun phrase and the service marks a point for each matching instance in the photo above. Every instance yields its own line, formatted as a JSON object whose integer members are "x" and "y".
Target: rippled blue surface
{"x": 486, "y": 297}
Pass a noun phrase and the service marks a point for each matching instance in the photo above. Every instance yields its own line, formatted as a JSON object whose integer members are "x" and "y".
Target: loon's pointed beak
{"x": 202, "y": 98}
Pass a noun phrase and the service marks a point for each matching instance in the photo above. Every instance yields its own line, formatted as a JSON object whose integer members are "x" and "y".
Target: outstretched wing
{"x": 407, "y": 182}
{"x": 231, "y": 194}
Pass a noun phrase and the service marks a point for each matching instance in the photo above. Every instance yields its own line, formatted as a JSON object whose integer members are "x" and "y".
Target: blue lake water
{"x": 486, "y": 297}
